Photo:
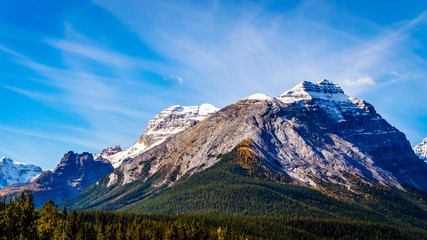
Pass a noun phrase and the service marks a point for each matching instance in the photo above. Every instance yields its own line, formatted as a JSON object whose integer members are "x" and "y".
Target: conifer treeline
{"x": 20, "y": 220}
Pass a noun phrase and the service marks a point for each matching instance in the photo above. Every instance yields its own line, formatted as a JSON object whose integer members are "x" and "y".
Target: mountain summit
{"x": 311, "y": 134}
{"x": 323, "y": 90}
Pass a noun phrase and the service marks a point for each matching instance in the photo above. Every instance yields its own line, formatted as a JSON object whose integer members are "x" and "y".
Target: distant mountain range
{"x": 15, "y": 172}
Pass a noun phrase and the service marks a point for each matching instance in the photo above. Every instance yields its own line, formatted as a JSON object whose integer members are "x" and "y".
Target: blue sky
{"x": 84, "y": 75}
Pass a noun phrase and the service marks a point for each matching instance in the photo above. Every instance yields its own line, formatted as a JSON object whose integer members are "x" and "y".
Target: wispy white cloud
{"x": 103, "y": 55}
{"x": 44, "y": 135}
{"x": 112, "y": 108}
{"x": 177, "y": 78}
{"x": 7, "y": 50}
{"x": 361, "y": 81}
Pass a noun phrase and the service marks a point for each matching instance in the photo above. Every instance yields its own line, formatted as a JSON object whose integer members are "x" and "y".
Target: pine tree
{"x": 29, "y": 216}
{"x": 75, "y": 222}
{"x": 48, "y": 221}
{"x": 222, "y": 234}
{"x": 2, "y": 218}
{"x": 120, "y": 232}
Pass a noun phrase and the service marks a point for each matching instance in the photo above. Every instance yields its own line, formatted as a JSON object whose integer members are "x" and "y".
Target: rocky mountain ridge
{"x": 311, "y": 133}
{"x": 15, "y": 172}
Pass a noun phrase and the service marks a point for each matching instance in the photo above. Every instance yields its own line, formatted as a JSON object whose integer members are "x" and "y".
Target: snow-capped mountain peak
{"x": 173, "y": 120}
{"x": 323, "y": 90}
{"x": 168, "y": 122}
{"x": 6, "y": 160}
{"x": 15, "y": 172}
{"x": 421, "y": 150}
{"x": 261, "y": 97}
{"x": 258, "y": 96}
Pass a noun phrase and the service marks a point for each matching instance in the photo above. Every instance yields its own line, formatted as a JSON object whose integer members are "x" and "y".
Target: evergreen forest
{"x": 21, "y": 220}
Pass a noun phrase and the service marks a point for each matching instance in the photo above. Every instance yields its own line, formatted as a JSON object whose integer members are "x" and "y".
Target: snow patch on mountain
{"x": 421, "y": 150}
{"x": 117, "y": 158}
{"x": 16, "y": 172}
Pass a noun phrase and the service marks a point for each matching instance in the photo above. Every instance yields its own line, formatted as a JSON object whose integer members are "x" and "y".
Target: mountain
{"x": 168, "y": 122}
{"x": 421, "y": 150}
{"x": 14, "y": 172}
{"x": 74, "y": 173}
{"x": 311, "y": 136}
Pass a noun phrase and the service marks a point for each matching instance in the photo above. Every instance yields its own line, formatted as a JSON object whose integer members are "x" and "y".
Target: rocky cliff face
{"x": 168, "y": 122}
{"x": 356, "y": 121}
{"x": 14, "y": 172}
{"x": 110, "y": 151}
{"x": 421, "y": 150}
{"x": 74, "y": 173}
{"x": 311, "y": 133}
